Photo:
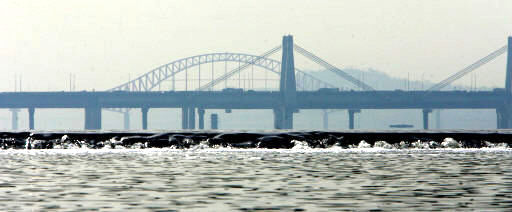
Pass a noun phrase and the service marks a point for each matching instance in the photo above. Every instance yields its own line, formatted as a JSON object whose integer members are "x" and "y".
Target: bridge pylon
{"x": 508, "y": 81}
{"x": 504, "y": 114}
{"x": 283, "y": 113}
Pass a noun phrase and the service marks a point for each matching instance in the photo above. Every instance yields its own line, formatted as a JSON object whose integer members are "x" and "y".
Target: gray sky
{"x": 101, "y": 42}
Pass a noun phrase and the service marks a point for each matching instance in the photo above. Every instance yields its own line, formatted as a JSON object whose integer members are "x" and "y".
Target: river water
{"x": 220, "y": 179}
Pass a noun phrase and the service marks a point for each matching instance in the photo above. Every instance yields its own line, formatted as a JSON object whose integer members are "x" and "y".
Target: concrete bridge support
{"x": 504, "y": 117}
{"x": 144, "y": 111}
{"x": 437, "y": 114}
{"x": 283, "y": 115}
{"x": 283, "y": 118}
{"x": 191, "y": 118}
{"x": 214, "y": 121}
{"x": 31, "y": 112}
{"x": 351, "y": 113}
{"x": 126, "y": 120}
{"x": 325, "y": 119}
{"x": 504, "y": 114}
{"x": 200, "y": 113}
{"x": 288, "y": 119}
{"x": 508, "y": 80}
{"x": 92, "y": 118}
{"x": 426, "y": 112}
{"x": 14, "y": 118}
{"x": 184, "y": 117}
{"x": 277, "y": 118}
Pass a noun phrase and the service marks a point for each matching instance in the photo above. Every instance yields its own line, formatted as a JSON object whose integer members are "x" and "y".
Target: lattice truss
{"x": 304, "y": 81}
{"x": 155, "y": 77}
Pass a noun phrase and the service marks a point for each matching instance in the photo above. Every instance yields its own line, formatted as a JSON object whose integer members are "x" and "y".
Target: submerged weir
{"x": 256, "y": 139}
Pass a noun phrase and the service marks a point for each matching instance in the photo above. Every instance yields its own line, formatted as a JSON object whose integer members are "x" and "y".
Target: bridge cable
{"x": 264, "y": 56}
{"x": 236, "y": 70}
{"x": 468, "y": 69}
{"x": 332, "y": 68}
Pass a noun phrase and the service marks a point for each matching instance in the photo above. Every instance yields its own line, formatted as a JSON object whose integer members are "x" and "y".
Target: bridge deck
{"x": 257, "y": 99}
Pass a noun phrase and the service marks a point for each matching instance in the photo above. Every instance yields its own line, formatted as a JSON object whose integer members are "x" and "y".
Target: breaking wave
{"x": 300, "y": 140}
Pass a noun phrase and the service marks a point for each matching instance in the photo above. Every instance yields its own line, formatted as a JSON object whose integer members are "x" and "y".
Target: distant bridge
{"x": 203, "y": 100}
{"x": 192, "y": 88}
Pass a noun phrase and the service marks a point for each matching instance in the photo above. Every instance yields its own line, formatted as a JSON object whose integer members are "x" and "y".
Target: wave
{"x": 297, "y": 140}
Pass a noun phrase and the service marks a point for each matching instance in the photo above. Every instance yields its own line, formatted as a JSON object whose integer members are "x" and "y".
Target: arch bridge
{"x": 189, "y": 76}
{"x": 302, "y": 81}
{"x": 186, "y": 74}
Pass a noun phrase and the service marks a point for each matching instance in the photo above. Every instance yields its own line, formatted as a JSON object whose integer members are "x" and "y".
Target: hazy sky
{"x": 102, "y": 42}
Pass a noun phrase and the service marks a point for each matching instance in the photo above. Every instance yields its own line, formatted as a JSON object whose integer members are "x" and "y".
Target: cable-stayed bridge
{"x": 244, "y": 81}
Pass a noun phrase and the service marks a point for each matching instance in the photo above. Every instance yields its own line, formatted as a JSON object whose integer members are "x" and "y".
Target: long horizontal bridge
{"x": 189, "y": 101}
{"x": 257, "y": 99}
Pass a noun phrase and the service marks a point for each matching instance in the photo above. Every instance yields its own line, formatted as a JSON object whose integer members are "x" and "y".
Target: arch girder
{"x": 153, "y": 78}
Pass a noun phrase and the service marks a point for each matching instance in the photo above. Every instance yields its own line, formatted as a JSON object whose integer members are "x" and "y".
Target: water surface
{"x": 256, "y": 179}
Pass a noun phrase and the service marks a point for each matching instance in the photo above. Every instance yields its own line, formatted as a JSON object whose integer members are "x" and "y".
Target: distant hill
{"x": 381, "y": 81}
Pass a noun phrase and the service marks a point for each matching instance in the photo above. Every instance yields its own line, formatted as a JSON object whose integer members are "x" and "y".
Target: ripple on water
{"x": 256, "y": 179}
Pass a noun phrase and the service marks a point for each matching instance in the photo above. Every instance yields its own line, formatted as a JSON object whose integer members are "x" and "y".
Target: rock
{"x": 433, "y": 144}
{"x": 248, "y": 144}
{"x": 158, "y": 141}
{"x": 130, "y": 140}
{"x": 234, "y": 139}
{"x": 274, "y": 142}
{"x": 176, "y": 140}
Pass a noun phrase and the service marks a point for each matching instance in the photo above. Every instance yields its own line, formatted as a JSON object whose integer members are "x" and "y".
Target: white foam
{"x": 300, "y": 145}
{"x": 363, "y": 144}
{"x": 382, "y": 144}
{"x": 420, "y": 145}
{"x": 496, "y": 145}
{"x": 201, "y": 145}
{"x": 450, "y": 143}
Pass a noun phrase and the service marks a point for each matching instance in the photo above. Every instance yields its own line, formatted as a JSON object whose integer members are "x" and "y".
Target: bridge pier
{"x": 214, "y": 121}
{"x": 504, "y": 113}
{"x": 283, "y": 118}
{"x": 14, "y": 118}
{"x": 325, "y": 119}
{"x": 508, "y": 77}
{"x": 126, "y": 120}
{"x": 499, "y": 118}
{"x": 144, "y": 111}
{"x": 288, "y": 118}
{"x": 283, "y": 115}
{"x": 200, "y": 113}
{"x": 31, "y": 112}
{"x": 191, "y": 118}
{"x": 425, "y": 118}
{"x": 277, "y": 118}
{"x": 504, "y": 117}
{"x": 92, "y": 118}
{"x": 184, "y": 117}
{"x": 437, "y": 114}
{"x": 351, "y": 113}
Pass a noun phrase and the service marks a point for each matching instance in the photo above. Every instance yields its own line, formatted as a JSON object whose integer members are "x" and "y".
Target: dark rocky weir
{"x": 250, "y": 139}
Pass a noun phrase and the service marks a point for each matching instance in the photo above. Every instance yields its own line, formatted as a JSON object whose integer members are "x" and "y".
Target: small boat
{"x": 401, "y": 126}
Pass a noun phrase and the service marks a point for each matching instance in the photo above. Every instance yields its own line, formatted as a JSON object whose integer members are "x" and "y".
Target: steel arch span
{"x": 153, "y": 78}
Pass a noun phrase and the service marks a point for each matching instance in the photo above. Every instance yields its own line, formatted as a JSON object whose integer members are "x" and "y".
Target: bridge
{"x": 296, "y": 90}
